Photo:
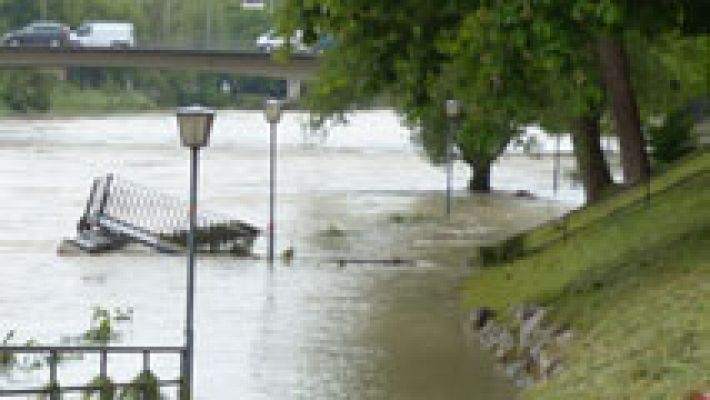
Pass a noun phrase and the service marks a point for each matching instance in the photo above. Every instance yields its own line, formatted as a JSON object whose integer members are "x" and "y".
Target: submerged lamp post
{"x": 556, "y": 167}
{"x": 195, "y": 126}
{"x": 453, "y": 111}
{"x": 272, "y": 111}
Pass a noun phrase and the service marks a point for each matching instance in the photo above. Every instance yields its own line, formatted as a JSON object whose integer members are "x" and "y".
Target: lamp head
{"x": 272, "y": 111}
{"x": 195, "y": 125}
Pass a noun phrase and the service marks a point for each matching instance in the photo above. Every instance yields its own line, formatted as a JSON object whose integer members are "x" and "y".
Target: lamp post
{"x": 43, "y": 10}
{"x": 272, "y": 111}
{"x": 453, "y": 110}
{"x": 556, "y": 168}
{"x": 195, "y": 126}
{"x": 208, "y": 23}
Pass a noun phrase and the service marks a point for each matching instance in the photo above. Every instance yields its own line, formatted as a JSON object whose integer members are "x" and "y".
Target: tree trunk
{"x": 481, "y": 179}
{"x": 592, "y": 167}
{"x": 616, "y": 75}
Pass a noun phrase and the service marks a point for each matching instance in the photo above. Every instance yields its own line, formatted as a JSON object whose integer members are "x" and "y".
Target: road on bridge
{"x": 298, "y": 66}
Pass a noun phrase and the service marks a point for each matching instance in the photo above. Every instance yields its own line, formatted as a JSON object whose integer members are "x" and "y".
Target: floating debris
{"x": 342, "y": 262}
{"x": 119, "y": 212}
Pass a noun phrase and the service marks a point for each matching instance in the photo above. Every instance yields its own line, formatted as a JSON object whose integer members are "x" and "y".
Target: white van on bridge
{"x": 109, "y": 34}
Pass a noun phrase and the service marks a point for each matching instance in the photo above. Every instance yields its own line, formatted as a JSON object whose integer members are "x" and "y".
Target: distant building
{"x": 254, "y": 4}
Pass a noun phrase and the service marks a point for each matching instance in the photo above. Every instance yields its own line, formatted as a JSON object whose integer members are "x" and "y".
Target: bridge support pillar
{"x": 293, "y": 89}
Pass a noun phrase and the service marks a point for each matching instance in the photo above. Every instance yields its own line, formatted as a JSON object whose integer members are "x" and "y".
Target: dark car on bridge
{"x": 38, "y": 33}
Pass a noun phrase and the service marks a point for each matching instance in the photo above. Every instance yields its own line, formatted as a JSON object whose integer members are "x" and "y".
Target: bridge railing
{"x": 227, "y": 45}
{"x": 54, "y": 389}
{"x": 199, "y": 44}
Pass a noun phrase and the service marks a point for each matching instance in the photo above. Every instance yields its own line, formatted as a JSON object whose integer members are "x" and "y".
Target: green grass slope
{"x": 632, "y": 280}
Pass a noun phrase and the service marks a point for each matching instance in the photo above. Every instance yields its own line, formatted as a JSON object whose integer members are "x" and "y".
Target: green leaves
{"x": 511, "y": 63}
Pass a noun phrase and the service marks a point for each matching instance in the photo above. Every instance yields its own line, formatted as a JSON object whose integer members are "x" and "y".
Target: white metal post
{"x": 272, "y": 190}
{"x": 189, "y": 331}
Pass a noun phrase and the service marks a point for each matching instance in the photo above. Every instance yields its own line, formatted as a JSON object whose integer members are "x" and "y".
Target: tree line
{"x": 175, "y": 23}
{"x": 627, "y": 67}
{"x": 178, "y": 22}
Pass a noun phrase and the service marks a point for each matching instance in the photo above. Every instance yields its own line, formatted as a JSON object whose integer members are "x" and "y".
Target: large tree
{"x": 574, "y": 54}
{"x": 606, "y": 24}
{"x": 510, "y": 62}
{"x": 393, "y": 50}
{"x": 565, "y": 64}
{"x": 499, "y": 58}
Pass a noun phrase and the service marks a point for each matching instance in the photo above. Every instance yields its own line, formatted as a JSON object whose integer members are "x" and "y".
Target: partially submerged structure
{"x": 119, "y": 212}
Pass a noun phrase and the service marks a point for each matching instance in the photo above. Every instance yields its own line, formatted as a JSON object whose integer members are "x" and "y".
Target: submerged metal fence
{"x": 54, "y": 389}
{"x": 144, "y": 207}
{"x": 119, "y": 211}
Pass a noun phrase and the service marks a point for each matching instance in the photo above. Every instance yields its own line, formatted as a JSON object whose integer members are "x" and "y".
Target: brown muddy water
{"x": 313, "y": 329}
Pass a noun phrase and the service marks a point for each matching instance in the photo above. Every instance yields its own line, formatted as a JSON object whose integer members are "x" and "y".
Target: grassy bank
{"x": 631, "y": 279}
{"x": 66, "y": 99}
{"x": 69, "y": 99}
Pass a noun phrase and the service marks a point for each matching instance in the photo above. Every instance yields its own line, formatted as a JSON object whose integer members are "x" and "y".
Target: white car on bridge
{"x": 108, "y": 34}
{"x": 269, "y": 42}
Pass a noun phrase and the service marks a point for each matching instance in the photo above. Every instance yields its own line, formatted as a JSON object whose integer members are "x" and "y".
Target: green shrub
{"x": 333, "y": 231}
{"x": 27, "y": 90}
{"x": 101, "y": 330}
{"x": 7, "y": 359}
{"x": 107, "y": 389}
{"x": 143, "y": 387}
{"x": 506, "y": 250}
{"x": 49, "y": 388}
{"x": 673, "y": 139}
{"x": 67, "y": 98}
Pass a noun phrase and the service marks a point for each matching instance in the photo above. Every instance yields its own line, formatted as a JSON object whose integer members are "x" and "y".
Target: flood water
{"x": 309, "y": 330}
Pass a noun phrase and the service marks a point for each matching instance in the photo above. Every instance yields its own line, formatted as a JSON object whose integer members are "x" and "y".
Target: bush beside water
{"x": 7, "y": 359}
{"x": 142, "y": 387}
{"x": 673, "y": 139}
{"x": 107, "y": 389}
{"x": 101, "y": 330}
{"x": 333, "y": 231}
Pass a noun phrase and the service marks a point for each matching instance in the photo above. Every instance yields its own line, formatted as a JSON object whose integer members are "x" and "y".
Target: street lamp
{"x": 195, "y": 126}
{"x": 43, "y": 10}
{"x": 453, "y": 111}
{"x": 556, "y": 168}
{"x": 272, "y": 111}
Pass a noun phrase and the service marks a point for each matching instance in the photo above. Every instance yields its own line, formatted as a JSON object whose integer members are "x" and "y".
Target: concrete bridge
{"x": 299, "y": 66}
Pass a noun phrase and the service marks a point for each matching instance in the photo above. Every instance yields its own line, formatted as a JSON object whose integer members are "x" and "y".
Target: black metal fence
{"x": 143, "y": 207}
{"x": 123, "y": 211}
{"x": 54, "y": 389}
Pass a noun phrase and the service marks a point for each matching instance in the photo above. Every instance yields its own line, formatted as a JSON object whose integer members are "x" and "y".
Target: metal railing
{"x": 54, "y": 389}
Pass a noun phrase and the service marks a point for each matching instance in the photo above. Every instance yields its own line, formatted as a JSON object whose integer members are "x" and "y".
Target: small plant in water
{"x": 397, "y": 218}
{"x": 49, "y": 388}
{"x": 107, "y": 389}
{"x": 101, "y": 330}
{"x": 332, "y": 231}
{"x": 287, "y": 255}
{"x": 142, "y": 387}
{"x": 32, "y": 362}
{"x": 7, "y": 359}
